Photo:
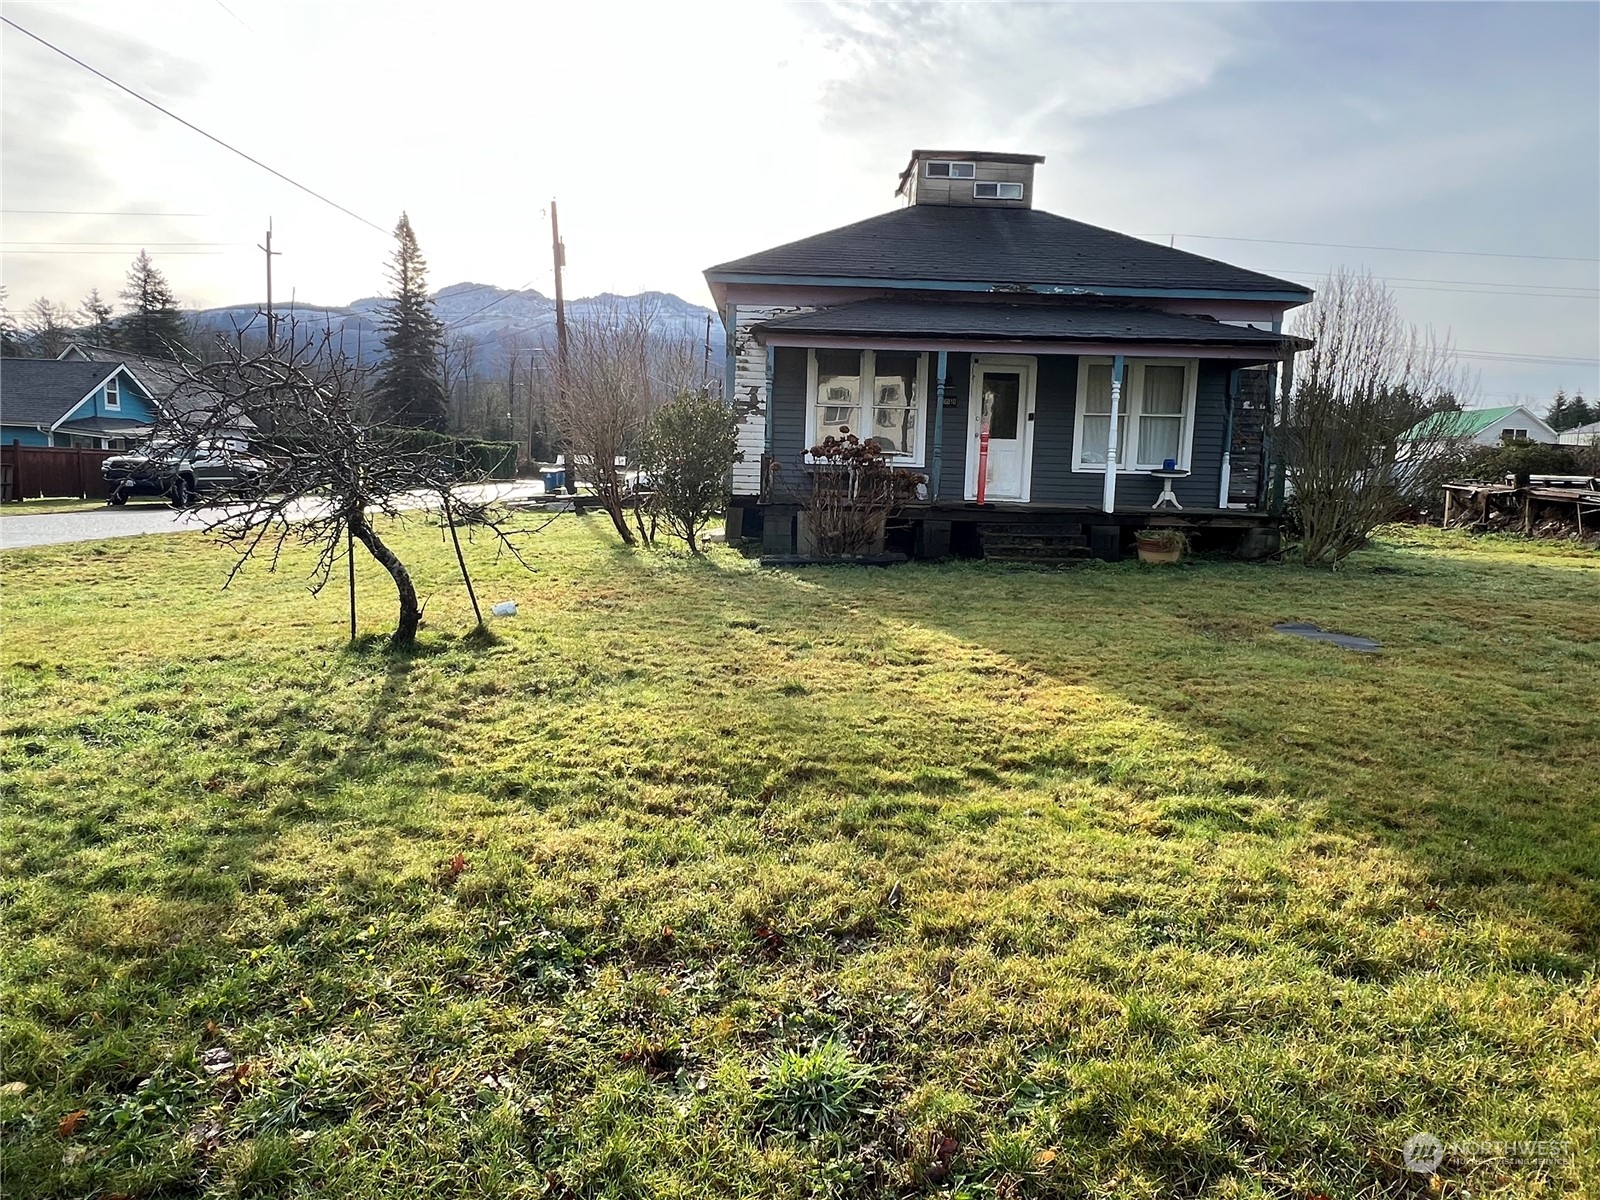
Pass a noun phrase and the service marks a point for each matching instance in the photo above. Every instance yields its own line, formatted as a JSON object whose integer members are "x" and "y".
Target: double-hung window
{"x": 113, "y": 397}
{"x": 1155, "y": 419}
{"x": 996, "y": 191}
{"x": 876, "y": 394}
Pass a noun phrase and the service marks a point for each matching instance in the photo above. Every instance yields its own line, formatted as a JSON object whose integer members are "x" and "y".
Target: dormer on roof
{"x": 969, "y": 177}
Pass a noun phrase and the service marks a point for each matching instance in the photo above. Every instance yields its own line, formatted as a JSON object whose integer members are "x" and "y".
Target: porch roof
{"x": 942, "y": 321}
{"x": 106, "y": 427}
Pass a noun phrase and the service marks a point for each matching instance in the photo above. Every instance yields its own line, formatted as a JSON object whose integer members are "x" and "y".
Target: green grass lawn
{"x": 704, "y": 880}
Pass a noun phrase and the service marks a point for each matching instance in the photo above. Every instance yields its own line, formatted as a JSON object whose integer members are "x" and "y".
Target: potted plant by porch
{"x": 1161, "y": 545}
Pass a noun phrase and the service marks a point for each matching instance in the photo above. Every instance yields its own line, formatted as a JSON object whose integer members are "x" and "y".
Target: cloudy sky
{"x": 1452, "y": 149}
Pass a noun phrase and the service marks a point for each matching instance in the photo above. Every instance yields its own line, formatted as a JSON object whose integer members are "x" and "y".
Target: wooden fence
{"x": 28, "y": 472}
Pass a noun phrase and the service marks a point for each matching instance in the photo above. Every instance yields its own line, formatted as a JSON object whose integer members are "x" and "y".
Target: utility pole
{"x": 559, "y": 253}
{"x": 511, "y": 397}
{"x": 272, "y": 323}
{"x": 705, "y": 370}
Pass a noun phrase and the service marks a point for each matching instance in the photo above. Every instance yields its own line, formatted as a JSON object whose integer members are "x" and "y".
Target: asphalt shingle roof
{"x": 40, "y": 391}
{"x": 163, "y": 376}
{"x": 1018, "y": 322}
{"x": 1000, "y": 246}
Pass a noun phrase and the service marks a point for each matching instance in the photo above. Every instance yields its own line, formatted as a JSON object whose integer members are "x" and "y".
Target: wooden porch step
{"x": 1035, "y": 554}
{"x": 1030, "y": 543}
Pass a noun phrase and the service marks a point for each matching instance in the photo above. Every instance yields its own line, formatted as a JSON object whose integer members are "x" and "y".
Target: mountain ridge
{"x": 496, "y": 325}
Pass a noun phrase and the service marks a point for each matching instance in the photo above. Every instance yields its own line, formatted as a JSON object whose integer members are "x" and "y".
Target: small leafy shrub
{"x": 816, "y": 1093}
{"x": 689, "y": 448}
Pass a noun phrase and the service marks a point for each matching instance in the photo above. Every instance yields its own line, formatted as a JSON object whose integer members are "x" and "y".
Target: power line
{"x": 91, "y": 212}
{"x": 1290, "y": 272}
{"x": 233, "y": 14}
{"x": 1510, "y": 356}
{"x": 106, "y": 253}
{"x": 1214, "y": 237}
{"x": 123, "y": 244}
{"x": 488, "y": 306}
{"x": 1413, "y": 287}
{"x": 190, "y": 125}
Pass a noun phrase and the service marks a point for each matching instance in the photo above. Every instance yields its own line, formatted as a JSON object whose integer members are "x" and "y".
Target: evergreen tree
{"x": 153, "y": 325}
{"x": 410, "y": 388}
{"x": 1558, "y": 415}
{"x": 47, "y": 327}
{"x": 10, "y": 336}
{"x": 95, "y": 314}
{"x": 1583, "y": 413}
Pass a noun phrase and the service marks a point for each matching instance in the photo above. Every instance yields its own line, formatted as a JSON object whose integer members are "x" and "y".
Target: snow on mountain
{"x": 498, "y": 322}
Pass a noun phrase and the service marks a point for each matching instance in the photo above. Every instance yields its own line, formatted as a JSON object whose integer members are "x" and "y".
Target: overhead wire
{"x": 143, "y": 99}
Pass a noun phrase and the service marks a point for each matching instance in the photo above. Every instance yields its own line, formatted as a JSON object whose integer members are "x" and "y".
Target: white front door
{"x": 1001, "y": 399}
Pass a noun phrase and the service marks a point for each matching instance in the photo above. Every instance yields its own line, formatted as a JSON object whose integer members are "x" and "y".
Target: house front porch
{"x": 931, "y": 529}
{"x": 1026, "y": 427}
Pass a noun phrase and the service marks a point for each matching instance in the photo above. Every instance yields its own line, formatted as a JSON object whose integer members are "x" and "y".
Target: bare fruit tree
{"x": 319, "y": 475}
{"x": 618, "y": 372}
{"x": 1368, "y": 377}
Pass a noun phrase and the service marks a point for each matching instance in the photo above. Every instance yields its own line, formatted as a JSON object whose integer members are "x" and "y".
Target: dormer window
{"x": 113, "y": 398}
{"x": 951, "y": 170}
{"x": 997, "y": 191}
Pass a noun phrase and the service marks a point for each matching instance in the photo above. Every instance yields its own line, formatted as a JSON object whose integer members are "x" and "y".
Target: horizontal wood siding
{"x": 750, "y": 391}
{"x": 789, "y": 479}
{"x": 953, "y": 471}
{"x": 1055, "y": 407}
{"x": 1054, "y": 480}
{"x": 959, "y": 191}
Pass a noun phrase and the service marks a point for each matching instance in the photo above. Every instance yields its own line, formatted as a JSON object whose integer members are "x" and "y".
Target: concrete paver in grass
{"x": 1346, "y": 641}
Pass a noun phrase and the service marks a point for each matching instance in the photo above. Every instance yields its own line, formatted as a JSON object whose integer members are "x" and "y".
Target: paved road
{"x": 135, "y": 518}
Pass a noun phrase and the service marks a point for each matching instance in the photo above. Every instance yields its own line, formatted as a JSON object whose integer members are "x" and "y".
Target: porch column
{"x": 1279, "y": 468}
{"x": 1109, "y": 501}
{"x": 1227, "y": 440}
{"x": 766, "y": 401}
{"x": 941, "y": 365}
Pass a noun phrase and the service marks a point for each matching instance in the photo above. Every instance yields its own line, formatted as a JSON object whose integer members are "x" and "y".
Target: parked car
{"x": 179, "y": 472}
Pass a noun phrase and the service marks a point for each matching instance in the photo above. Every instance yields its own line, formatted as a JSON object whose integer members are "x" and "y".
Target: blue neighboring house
{"x": 64, "y": 402}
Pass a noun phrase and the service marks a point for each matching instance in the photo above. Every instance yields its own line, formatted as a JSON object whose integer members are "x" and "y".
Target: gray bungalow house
{"x": 1110, "y": 373}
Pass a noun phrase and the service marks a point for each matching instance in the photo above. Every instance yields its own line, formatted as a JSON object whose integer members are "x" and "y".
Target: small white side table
{"x": 1168, "y": 498}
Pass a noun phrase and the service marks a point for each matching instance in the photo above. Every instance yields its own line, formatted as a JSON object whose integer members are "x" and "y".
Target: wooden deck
{"x": 1039, "y": 532}
{"x": 1130, "y": 515}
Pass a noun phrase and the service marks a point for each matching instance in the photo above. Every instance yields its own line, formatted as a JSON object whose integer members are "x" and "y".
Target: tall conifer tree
{"x": 153, "y": 325}
{"x": 95, "y": 314}
{"x": 410, "y": 388}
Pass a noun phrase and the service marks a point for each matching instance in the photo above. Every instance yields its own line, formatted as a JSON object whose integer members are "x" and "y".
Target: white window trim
{"x": 869, "y": 388}
{"x": 1132, "y": 402}
{"x": 113, "y": 393}
{"x": 951, "y": 163}
{"x": 997, "y": 184}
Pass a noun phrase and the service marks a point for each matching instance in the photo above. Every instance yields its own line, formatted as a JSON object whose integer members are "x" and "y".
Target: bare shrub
{"x": 854, "y": 488}
{"x": 1368, "y": 377}
{"x": 617, "y": 373}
